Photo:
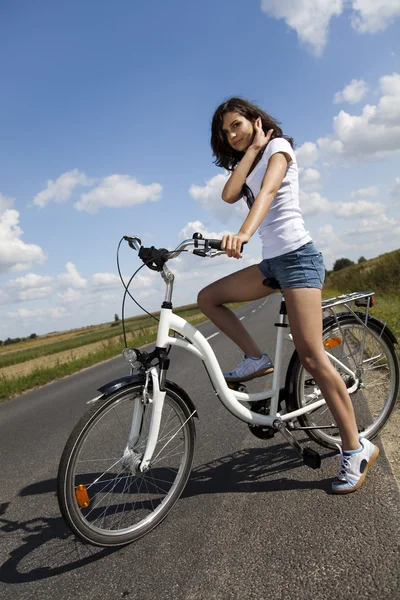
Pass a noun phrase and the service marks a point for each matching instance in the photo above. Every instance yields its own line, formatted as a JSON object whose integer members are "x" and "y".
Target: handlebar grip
{"x": 216, "y": 245}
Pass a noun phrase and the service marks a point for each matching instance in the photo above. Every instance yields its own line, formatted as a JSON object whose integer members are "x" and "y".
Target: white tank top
{"x": 282, "y": 229}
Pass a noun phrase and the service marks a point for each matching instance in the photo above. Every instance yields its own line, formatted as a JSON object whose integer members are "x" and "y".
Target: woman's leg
{"x": 242, "y": 286}
{"x": 305, "y": 317}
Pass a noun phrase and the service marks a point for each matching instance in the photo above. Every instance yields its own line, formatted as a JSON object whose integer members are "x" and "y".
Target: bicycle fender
{"x": 127, "y": 380}
{"x": 377, "y": 322}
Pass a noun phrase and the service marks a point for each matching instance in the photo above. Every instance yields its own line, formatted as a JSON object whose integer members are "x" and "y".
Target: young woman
{"x": 249, "y": 143}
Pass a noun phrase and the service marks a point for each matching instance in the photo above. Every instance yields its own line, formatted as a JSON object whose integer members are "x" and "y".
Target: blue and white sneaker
{"x": 354, "y": 467}
{"x": 250, "y": 368}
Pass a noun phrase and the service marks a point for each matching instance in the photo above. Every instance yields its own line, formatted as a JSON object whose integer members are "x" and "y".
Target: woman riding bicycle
{"x": 250, "y": 144}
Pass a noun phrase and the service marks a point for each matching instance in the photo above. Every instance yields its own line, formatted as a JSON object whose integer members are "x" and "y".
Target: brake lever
{"x": 209, "y": 253}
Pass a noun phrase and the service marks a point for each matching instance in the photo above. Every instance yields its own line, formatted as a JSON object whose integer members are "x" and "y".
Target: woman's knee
{"x": 206, "y": 298}
{"x": 314, "y": 363}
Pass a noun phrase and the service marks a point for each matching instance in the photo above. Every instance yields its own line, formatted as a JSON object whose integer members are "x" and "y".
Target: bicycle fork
{"x": 131, "y": 457}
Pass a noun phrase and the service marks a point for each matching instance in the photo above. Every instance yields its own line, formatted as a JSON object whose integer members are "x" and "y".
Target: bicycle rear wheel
{"x": 103, "y": 497}
{"x": 374, "y": 389}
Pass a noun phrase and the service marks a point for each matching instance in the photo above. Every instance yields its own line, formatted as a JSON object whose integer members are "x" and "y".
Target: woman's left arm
{"x": 272, "y": 181}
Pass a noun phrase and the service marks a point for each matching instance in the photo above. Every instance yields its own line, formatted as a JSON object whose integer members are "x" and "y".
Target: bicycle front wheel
{"x": 373, "y": 389}
{"x": 103, "y": 497}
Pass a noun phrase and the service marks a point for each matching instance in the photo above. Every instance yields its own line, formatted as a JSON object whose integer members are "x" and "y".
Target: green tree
{"x": 361, "y": 259}
{"x": 116, "y": 318}
{"x": 342, "y": 263}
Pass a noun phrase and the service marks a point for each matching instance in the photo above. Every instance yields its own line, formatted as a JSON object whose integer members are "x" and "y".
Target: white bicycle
{"x": 128, "y": 459}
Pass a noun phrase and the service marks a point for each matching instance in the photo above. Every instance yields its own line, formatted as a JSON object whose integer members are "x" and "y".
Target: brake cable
{"x": 127, "y": 292}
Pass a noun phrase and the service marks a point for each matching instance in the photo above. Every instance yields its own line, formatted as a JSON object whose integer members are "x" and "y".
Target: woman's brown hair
{"x": 225, "y": 155}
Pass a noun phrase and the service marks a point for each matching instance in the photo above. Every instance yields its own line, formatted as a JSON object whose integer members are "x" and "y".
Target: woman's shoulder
{"x": 279, "y": 144}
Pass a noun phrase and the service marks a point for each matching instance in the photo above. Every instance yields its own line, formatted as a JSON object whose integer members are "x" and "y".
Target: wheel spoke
{"x": 371, "y": 356}
{"x": 124, "y": 502}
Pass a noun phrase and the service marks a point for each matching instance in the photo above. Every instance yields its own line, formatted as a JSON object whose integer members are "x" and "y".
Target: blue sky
{"x": 105, "y": 117}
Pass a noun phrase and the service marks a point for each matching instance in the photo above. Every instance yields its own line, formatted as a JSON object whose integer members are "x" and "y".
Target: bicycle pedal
{"x": 311, "y": 458}
{"x": 237, "y": 386}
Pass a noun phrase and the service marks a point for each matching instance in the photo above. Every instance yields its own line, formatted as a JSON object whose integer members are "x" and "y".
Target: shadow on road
{"x": 252, "y": 470}
{"x": 46, "y": 548}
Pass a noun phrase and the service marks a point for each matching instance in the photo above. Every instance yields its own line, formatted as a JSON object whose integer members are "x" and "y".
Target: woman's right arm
{"x": 233, "y": 187}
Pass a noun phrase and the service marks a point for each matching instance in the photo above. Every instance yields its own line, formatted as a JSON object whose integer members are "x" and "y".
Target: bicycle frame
{"x": 193, "y": 341}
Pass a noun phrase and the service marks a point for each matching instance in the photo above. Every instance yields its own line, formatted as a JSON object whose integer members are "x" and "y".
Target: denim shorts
{"x": 301, "y": 268}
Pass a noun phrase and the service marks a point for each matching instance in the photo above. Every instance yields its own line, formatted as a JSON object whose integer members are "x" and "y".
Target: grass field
{"x": 381, "y": 275}
{"x": 79, "y": 338}
{"x": 34, "y": 366}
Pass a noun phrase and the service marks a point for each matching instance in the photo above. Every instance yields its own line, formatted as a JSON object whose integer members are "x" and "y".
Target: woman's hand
{"x": 232, "y": 243}
{"x": 260, "y": 140}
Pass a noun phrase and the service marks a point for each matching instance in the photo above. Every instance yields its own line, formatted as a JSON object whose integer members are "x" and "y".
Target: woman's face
{"x": 238, "y": 130}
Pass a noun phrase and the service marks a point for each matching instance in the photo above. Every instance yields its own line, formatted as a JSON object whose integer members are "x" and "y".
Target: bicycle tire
{"x": 96, "y": 434}
{"x": 377, "y": 408}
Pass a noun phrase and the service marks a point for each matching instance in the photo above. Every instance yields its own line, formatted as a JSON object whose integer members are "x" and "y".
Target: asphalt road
{"x": 252, "y": 523}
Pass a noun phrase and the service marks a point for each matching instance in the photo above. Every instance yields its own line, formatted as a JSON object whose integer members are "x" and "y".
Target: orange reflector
{"x": 371, "y": 301}
{"x": 82, "y": 496}
{"x": 332, "y": 342}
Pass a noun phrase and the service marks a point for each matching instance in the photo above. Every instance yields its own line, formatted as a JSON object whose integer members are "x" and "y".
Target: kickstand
{"x": 310, "y": 457}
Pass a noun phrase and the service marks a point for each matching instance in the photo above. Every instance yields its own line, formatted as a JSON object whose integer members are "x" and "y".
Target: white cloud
{"x": 72, "y": 278}
{"x": 329, "y": 241}
{"x": 105, "y": 280}
{"x": 209, "y": 198}
{"x": 29, "y": 287}
{"x": 312, "y": 203}
{"x": 35, "y": 293}
{"x": 101, "y": 281}
{"x": 5, "y": 202}
{"x": 373, "y": 190}
{"x": 70, "y": 295}
{"x": 16, "y": 255}
{"x": 347, "y": 210}
{"x": 38, "y": 313}
{"x": 373, "y": 134}
{"x": 309, "y": 18}
{"x": 371, "y": 16}
{"x": 370, "y": 237}
{"x": 352, "y": 93}
{"x": 388, "y": 110}
{"x": 334, "y": 246}
{"x": 309, "y": 177}
{"x": 379, "y": 226}
{"x": 145, "y": 280}
{"x": 146, "y": 293}
{"x": 395, "y": 191}
{"x": 329, "y": 147}
{"x": 118, "y": 191}
{"x": 61, "y": 189}
{"x": 29, "y": 281}
{"x": 307, "y": 154}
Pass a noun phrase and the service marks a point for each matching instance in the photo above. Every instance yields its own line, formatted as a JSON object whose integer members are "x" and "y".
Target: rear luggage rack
{"x": 360, "y": 298}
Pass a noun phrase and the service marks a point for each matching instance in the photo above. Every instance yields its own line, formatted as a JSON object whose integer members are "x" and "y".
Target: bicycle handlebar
{"x": 156, "y": 258}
